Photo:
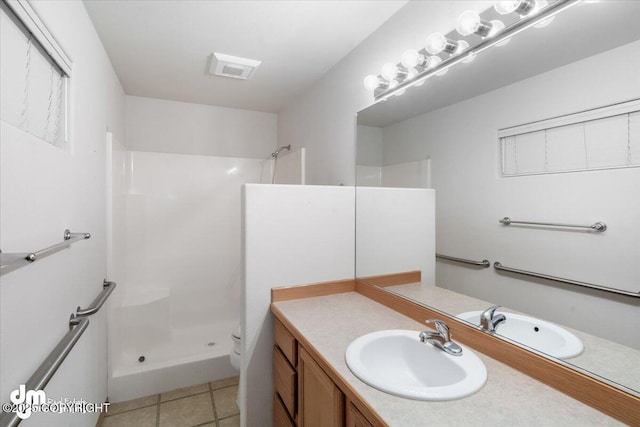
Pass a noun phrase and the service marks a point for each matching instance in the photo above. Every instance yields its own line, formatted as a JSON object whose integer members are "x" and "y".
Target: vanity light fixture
{"x": 417, "y": 66}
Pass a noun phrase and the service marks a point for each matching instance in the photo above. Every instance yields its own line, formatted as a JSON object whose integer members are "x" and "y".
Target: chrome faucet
{"x": 441, "y": 338}
{"x": 489, "y": 321}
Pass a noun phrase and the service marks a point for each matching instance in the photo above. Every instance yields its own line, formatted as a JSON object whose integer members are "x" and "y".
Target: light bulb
{"x": 468, "y": 23}
{"x": 506, "y": 7}
{"x": 371, "y": 82}
{"x": 462, "y": 46}
{"x": 435, "y": 43}
{"x": 434, "y": 61}
{"x": 412, "y": 58}
{"x": 541, "y": 4}
{"x": 389, "y": 71}
{"x": 471, "y": 23}
{"x": 496, "y": 27}
{"x": 413, "y": 73}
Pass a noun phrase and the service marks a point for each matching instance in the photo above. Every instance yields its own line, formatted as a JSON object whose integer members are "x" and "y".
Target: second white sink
{"x": 396, "y": 362}
{"x": 543, "y": 336}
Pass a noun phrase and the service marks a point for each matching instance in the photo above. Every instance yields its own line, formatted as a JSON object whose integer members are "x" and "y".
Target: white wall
{"x": 322, "y": 118}
{"x": 289, "y": 168}
{"x": 292, "y": 235}
{"x": 44, "y": 190}
{"x": 177, "y": 127}
{"x": 464, "y": 150}
{"x": 395, "y": 232}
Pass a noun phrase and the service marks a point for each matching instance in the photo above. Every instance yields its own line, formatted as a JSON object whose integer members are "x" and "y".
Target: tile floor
{"x": 210, "y": 404}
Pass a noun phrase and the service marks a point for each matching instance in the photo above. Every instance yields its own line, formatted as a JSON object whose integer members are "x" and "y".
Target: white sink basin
{"x": 396, "y": 362}
{"x": 537, "y": 334}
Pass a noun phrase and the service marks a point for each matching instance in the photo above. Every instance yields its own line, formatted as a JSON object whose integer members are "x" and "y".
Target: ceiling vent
{"x": 232, "y": 66}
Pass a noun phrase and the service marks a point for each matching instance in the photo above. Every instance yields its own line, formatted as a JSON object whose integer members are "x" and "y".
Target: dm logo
{"x": 25, "y": 400}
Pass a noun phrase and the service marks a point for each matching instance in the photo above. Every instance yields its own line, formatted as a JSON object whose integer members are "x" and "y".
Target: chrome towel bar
{"x": 484, "y": 263}
{"x": 14, "y": 261}
{"x": 597, "y": 226}
{"x": 107, "y": 288}
{"x": 48, "y": 368}
{"x": 499, "y": 266}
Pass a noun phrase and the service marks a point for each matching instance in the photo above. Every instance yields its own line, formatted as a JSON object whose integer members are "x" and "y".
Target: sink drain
{"x": 141, "y": 359}
{"x": 211, "y": 344}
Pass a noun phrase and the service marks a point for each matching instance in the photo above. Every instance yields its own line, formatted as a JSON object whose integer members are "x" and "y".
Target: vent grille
{"x": 232, "y": 66}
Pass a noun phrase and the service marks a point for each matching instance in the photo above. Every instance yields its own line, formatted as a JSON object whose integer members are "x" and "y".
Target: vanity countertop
{"x": 613, "y": 361}
{"x": 330, "y": 323}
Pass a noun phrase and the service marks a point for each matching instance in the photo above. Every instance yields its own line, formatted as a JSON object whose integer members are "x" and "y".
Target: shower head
{"x": 284, "y": 147}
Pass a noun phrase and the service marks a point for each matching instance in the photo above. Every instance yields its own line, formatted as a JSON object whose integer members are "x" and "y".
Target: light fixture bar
{"x": 524, "y": 23}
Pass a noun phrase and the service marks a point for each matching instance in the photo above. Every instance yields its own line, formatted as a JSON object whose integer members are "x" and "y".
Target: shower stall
{"x": 174, "y": 250}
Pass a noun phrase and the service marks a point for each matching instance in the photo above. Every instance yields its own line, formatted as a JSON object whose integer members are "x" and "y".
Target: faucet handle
{"x": 441, "y": 328}
{"x": 489, "y": 320}
{"x": 441, "y": 338}
{"x": 490, "y": 311}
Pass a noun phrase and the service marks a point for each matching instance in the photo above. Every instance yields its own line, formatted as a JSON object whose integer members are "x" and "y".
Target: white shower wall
{"x": 179, "y": 284}
{"x": 183, "y": 231}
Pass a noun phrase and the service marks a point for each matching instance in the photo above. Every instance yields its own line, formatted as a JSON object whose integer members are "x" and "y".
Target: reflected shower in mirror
{"x": 544, "y": 129}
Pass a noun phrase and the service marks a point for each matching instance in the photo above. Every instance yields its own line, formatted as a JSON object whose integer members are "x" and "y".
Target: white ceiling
{"x": 161, "y": 48}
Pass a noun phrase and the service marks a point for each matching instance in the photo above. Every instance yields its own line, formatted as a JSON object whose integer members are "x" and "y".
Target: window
{"x": 603, "y": 138}
{"x": 33, "y": 76}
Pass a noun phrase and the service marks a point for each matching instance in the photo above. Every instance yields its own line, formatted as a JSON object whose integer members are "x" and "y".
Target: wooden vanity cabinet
{"x": 355, "y": 417}
{"x": 285, "y": 376}
{"x": 321, "y": 402}
{"x": 305, "y": 396}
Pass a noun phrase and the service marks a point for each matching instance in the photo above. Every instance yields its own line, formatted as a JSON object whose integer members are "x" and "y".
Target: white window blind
{"x": 32, "y": 84}
{"x": 603, "y": 138}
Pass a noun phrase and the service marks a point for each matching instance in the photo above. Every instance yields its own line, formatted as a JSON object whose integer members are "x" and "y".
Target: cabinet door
{"x": 321, "y": 403}
{"x": 355, "y": 418}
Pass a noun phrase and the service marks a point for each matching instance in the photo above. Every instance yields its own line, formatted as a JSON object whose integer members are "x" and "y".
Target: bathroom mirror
{"x": 449, "y": 135}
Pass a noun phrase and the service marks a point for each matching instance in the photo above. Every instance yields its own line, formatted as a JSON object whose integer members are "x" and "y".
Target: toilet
{"x": 234, "y": 355}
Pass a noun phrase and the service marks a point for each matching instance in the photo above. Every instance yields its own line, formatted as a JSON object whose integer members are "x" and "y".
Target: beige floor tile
{"x": 117, "y": 408}
{"x": 230, "y": 422}
{"x": 225, "y": 400}
{"x": 225, "y": 382}
{"x": 188, "y": 411}
{"x": 144, "y": 417}
{"x": 184, "y": 392}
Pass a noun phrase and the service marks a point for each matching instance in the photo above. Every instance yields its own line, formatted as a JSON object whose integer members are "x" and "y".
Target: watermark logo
{"x": 25, "y": 402}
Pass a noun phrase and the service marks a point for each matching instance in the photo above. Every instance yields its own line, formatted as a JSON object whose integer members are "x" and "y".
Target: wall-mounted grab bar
{"x": 499, "y": 266}
{"x": 484, "y": 263}
{"x": 107, "y": 288}
{"x": 597, "y": 226}
{"x": 14, "y": 261}
{"x": 45, "y": 371}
